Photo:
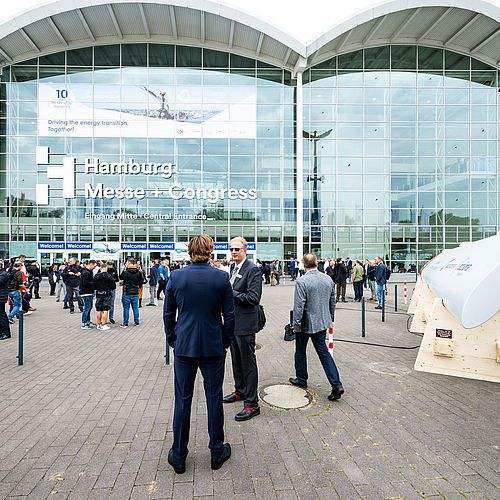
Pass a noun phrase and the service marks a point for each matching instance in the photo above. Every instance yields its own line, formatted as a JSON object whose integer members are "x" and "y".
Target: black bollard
{"x": 383, "y": 307}
{"x": 20, "y": 345}
{"x": 363, "y": 324}
{"x": 396, "y": 297}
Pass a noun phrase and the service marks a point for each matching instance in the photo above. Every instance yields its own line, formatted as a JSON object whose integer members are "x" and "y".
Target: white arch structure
{"x": 471, "y": 28}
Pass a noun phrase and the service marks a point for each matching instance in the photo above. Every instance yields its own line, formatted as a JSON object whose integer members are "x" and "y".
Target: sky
{"x": 305, "y": 20}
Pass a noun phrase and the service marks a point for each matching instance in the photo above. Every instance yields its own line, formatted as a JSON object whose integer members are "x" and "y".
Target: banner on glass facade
{"x": 83, "y": 110}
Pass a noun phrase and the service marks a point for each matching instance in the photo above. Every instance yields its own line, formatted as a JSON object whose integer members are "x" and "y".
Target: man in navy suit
{"x": 246, "y": 280}
{"x": 197, "y": 298}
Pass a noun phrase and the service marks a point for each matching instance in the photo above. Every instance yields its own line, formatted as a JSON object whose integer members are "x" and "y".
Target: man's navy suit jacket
{"x": 197, "y": 298}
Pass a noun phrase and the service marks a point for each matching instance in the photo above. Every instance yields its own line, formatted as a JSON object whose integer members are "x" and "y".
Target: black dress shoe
{"x": 297, "y": 382}
{"x": 378, "y": 307}
{"x": 5, "y": 337}
{"x": 179, "y": 468}
{"x": 247, "y": 414}
{"x": 226, "y": 453}
{"x": 232, "y": 398}
{"x": 336, "y": 393}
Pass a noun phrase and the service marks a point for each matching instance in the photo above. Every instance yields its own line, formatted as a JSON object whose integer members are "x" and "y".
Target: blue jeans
{"x": 318, "y": 340}
{"x": 358, "y": 290}
{"x": 380, "y": 294}
{"x": 127, "y": 301}
{"x": 87, "y": 307}
{"x": 15, "y": 297}
{"x": 112, "y": 310}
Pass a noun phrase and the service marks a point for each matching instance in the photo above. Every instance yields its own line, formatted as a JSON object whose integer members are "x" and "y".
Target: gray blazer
{"x": 314, "y": 303}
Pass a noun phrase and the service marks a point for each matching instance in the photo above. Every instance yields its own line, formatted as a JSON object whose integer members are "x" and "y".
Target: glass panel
{"x": 188, "y": 57}
{"x": 403, "y": 57}
{"x": 377, "y": 58}
{"x": 134, "y": 54}
{"x": 161, "y": 55}
{"x": 107, "y": 55}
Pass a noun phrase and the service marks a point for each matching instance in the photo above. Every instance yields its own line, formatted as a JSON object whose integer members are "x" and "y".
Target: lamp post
{"x": 315, "y": 219}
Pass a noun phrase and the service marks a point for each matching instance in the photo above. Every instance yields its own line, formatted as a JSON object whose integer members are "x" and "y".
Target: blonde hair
{"x": 200, "y": 248}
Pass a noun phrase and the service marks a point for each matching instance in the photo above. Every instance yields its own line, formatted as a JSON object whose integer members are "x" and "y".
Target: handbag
{"x": 289, "y": 333}
{"x": 262, "y": 317}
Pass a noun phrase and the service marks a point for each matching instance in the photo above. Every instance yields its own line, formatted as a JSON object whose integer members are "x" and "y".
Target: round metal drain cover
{"x": 286, "y": 396}
{"x": 257, "y": 347}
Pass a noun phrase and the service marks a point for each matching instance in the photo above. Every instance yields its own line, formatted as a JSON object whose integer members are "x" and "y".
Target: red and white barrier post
{"x": 329, "y": 341}
{"x": 405, "y": 293}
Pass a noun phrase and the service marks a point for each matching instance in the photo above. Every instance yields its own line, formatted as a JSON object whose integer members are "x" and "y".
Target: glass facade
{"x": 401, "y": 153}
{"x": 401, "y": 150}
{"x": 250, "y": 146}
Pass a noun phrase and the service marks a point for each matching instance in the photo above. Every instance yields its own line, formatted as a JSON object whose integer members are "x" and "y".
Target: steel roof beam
{"x": 375, "y": 28}
{"x": 343, "y": 41}
{"x": 145, "y": 23}
{"x": 85, "y": 24}
{"x": 231, "y": 35}
{"x": 31, "y": 43}
{"x": 466, "y": 26}
{"x": 57, "y": 31}
{"x": 202, "y": 27}
{"x": 405, "y": 24}
{"x": 5, "y": 55}
{"x": 173, "y": 21}
{"x": 115, "y": 21}
{"x": 259, "y": 44}
{"x": 435, "y": 23}
{"x": 485, "y": 41}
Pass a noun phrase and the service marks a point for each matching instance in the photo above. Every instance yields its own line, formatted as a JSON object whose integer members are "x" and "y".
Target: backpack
{"x": 387, "y": 273}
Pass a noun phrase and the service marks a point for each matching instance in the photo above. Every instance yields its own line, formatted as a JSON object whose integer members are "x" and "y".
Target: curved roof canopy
{"x": 69, "y": 24}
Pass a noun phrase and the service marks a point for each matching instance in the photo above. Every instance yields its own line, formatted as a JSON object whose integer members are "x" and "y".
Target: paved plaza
{"x": 89, "y": 415}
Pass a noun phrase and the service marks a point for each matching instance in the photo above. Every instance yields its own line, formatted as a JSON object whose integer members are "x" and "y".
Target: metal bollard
{"x": 395, "y": 297}
{"x": 363, "y": 324}
{"x": 383, "y": 307}
{"x": 20, "y": 345}
{"x": 329, "y": 341}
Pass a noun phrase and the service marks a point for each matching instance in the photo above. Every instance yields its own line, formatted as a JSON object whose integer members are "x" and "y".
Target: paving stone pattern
{"x": 89, "y": 415}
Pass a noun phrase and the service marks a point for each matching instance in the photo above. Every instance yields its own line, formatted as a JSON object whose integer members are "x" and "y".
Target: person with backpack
{"x": 381, "y": 280}
{"x": 103, "y": 285}
{"x": 4, "y": 295}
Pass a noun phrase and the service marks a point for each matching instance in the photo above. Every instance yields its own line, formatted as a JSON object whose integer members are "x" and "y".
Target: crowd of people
{"x": 372, "y": 275}
{"x": 19, "y": 284}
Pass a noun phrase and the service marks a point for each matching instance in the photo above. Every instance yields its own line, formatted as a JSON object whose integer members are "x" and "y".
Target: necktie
{"x": 234, "y": 272}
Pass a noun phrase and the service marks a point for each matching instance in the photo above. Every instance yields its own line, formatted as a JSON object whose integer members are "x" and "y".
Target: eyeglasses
{"x": 235, "y": 249}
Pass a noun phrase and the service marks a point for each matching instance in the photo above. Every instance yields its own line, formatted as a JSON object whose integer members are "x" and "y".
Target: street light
{"x": 315, "y": 219}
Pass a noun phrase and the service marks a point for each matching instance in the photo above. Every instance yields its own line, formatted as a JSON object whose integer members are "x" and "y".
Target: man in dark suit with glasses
{"x": 246, "y": 280}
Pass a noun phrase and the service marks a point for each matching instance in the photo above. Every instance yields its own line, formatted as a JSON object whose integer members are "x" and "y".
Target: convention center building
{"x": 128, "y": 127}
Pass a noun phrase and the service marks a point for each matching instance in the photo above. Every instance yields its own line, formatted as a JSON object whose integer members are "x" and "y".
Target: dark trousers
{"x": 245, "y": 368}
{"x": 212, "y": 369}
{"x": 318, "y": 340}
{"x": 74, "y": 291}
{"x": 358, "y": 289}
{"x": 161, "y": 288}
{"x": 4, "y": 321}
{"x": 52, "y": 288}
{"x": 341, "y": 290}
{"x": 35, "y": 287}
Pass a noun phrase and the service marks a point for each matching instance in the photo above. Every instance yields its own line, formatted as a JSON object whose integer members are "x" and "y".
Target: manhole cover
{"x": 393, "y": 369}
{"x": 286, "y": 396}
{"x": 257, "y": 347}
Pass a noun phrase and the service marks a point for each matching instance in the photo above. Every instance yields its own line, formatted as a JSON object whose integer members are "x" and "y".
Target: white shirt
{"x": 236, "y": 271}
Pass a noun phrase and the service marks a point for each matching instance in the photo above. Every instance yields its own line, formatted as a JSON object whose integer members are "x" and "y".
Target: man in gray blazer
{"x": 313, "y": 313}
{"x": 246, "y": 280}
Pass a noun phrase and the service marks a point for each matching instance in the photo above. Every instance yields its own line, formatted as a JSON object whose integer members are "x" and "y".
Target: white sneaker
{"x": 27, "y": 313}
{"x": 99, "y": 327}
{"x": 104, "y": 327}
